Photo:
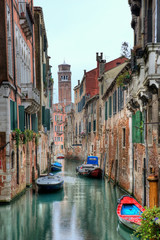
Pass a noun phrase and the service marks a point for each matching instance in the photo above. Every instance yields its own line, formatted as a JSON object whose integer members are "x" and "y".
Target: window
{"x": 55, "y": 128}
{"x": 61, "y": 118}
{"x": 124, "y": 137}
{"x": 106, "y": 110}
{"x": 94, "y": 125}
{"x": 100, "y": 112}
{"x": 13, "y": 114}
{"x": 61, "y": 128}
{"x": 55, "y": 139}
{"x": 55, "y": 117}
{"x": 0, "y": 163}
{"x": 61, "y": 146}
{"x": 61, "y": 139}
{"x": 115, "y": 102}
{"x": 102, "y": 89}
{"x": 110, "y": 106}
{"x": 89, "y": 127}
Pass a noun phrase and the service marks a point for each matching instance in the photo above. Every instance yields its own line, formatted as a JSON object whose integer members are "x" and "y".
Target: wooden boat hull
{"x": 93, "y": 171}
{"x": 49, "y": 183}
{"x": 129, "y": 212}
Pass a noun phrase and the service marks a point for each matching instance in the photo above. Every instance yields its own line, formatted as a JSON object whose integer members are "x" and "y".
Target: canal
{"x": 84, "y": 210}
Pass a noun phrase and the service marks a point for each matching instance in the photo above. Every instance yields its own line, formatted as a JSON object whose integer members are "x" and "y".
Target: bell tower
{"x": 64, "y": 84}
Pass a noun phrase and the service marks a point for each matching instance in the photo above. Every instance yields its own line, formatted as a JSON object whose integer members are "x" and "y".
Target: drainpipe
{"x": 145, "y": 160}
{"x": 14, "y": 69}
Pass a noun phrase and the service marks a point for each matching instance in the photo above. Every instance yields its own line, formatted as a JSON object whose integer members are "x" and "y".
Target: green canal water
{"x": 84, "y": 210}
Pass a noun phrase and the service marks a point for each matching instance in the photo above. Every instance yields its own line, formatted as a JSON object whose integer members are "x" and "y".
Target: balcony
{"x": 59, "y": 122}
{"x": 30, "y": 98}
{"x": 26, "y": 19}
{"x": 59, "y": 133}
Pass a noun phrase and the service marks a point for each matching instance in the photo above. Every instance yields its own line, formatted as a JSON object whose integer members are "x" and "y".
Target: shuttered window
{"x": 34, "y": 122}
{"x": 137, "y": 128}
{"x": 106, "y": 110}
{"x": 48, "y": 119}
{"x": 13, "y": 114}
{"x": 89, "y": 127}
{"x": 44, "y": 73}
{"x": 43, "y": 116}
{"x": 94, "y": 125}
{"x": 115, "y": 102}
{"x": 110, "y": 106}
{"x": 21, "y": 118}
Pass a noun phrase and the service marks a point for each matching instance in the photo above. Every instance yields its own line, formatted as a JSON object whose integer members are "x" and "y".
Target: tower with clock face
{"x": 64, "y": 84}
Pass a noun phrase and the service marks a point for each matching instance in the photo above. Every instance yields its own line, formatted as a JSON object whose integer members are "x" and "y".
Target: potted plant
{"x": 150, "y": 224}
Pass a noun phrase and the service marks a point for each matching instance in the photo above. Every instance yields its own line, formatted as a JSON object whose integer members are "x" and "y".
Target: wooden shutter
{"x": 44, "y": 73}
{"x": 106, "y": 110}
{"x": 43, "y": 115}
{"x": 21, "y": 118}
{"x": 110, "y": 106}
{"x": 138, "y": 131}
{"x": 48, "y": 119}
{"x": 12, "y": 114}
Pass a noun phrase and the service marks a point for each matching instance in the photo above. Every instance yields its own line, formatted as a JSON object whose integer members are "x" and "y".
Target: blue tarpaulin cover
{"x": 92, "y": 160}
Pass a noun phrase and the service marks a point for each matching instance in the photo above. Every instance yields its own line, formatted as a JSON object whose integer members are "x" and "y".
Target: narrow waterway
{"x": 84, "y": 210}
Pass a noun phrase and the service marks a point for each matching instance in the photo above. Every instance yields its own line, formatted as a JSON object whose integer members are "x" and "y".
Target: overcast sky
{"x": 77, "y": 29}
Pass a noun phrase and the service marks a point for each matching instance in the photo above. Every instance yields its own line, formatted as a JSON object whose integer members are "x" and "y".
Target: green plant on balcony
{"x": 150, "y": 224}
{"x": 123, "y": 78}
{"x": 17, "y": 132}
{"x": 28, "y": 136}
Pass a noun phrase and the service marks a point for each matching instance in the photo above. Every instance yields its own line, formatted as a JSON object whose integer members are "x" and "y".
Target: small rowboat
{"x": 56, "y": 166}
{"x": 129, "y": 212}
{"x": 50, "y": 183}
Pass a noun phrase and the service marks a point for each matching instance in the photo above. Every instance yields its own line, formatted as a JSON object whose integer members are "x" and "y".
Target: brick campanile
{"x": 64, "y": 84}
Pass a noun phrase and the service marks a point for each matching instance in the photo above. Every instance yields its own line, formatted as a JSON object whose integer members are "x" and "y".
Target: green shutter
{"x": 15, "y": 114}
{"x": 106, "y": 110}
{"x": 36, "y": 124}
{"x": 43, "y": 115}
{"x": 138, "y": 123}
{"x": 110, "y": 106}
{"x": 21, "y": 118}
{"x": 94, "y": 125}
{"x": 48, "y": 119}
{"x": 44, "y": 73}
{"x": 12, "y": 114}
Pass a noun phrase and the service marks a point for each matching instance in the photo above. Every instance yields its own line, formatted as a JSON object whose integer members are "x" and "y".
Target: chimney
{"x": 97, "y": 56}
{"x": 78, "y": 82}
{"x": 101, "y": 55}
{"x": 85, "y": 72}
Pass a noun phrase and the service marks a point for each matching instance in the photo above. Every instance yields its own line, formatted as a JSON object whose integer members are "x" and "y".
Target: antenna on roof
{"x": 64, "y": 61}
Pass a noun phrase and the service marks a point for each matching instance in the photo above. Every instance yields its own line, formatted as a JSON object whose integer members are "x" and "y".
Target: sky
{"x": 77, "y": 29}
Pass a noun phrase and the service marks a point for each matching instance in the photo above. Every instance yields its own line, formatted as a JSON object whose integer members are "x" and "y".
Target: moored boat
{"x": 91, "y": 168}
{"x": 60, "y": 156}
{"x": 56, "y": 166}
{"x": 129, "y": 212}
{"x": 50, "y": 183}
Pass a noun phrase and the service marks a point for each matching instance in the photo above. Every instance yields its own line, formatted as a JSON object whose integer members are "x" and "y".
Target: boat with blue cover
{"x": 91, "y": 168}
{"x": 56, "y": 166}
{"x": 129, "y": 212}
{"x": 50, "y": 183}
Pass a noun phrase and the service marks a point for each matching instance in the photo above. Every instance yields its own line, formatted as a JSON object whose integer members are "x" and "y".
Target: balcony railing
{"x": 59, "y": 132}
{"x": 26, "y": 18}
{"x": 30, "y": 97}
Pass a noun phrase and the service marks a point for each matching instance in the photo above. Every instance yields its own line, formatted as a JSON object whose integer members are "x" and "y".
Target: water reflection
{"x": 84, "y": 210}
